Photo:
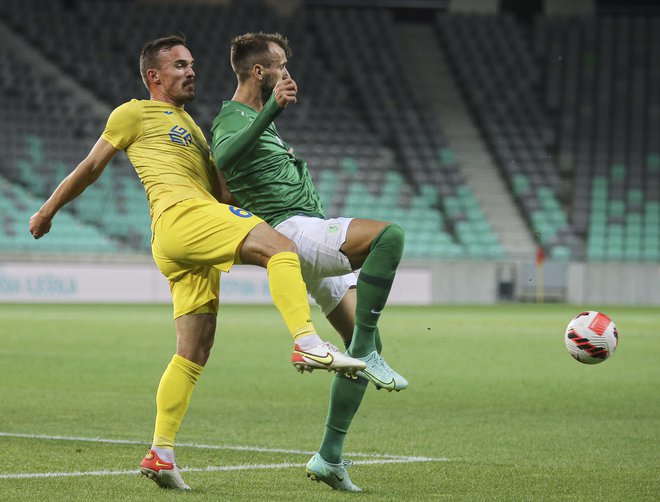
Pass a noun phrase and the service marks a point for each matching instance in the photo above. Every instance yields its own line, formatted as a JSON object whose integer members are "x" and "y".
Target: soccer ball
{"x": 591, "y": 337}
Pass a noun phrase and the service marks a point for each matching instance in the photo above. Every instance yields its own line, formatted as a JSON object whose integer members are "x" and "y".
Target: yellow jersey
{"x": 167, "y": 149}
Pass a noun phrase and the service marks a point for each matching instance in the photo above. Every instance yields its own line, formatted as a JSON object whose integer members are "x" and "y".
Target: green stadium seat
{"x": 560, "y": 253}
{"x": 651, "y": 254}
{"x": 618, "y": 172}
{"x": 616, "y": 208}
{"x": 595, "y": 253}
{"x": 599, "y": 182}
{"x": 429, "y": 193}
{"x": 446, "y": 157}
{"x": 635, "y": 195}
{"x": 349, "y": 165}
{"x": 520, "y": 183}
{"x": 632, "y": 253}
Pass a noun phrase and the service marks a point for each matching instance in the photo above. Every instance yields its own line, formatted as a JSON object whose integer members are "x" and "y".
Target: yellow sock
{"x": 289, "y": 293}
{"x": 172, "y": 399}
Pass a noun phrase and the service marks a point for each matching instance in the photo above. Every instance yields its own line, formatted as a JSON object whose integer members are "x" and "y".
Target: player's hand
{"x": 285, "y": 92}
{"x": 39, "y": 225}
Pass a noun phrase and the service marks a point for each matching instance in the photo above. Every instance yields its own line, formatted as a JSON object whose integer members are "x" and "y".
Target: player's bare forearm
{"x": 86, "y": 173}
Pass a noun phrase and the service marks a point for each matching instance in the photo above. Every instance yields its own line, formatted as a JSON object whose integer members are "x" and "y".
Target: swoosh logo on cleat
{"x": 338, "y": 478}
{"x": 385, "y": 384}
{"x": 159, "y": 464}
{"x": 325, "y": 360}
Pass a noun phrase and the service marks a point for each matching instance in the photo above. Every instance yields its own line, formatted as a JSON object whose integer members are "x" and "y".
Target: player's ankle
{"x": 309, "y": 341}
{"x": 165, "y": 454}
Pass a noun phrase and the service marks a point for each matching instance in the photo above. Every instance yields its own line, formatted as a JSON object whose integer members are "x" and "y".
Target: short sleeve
{"x": 124, "y": 125}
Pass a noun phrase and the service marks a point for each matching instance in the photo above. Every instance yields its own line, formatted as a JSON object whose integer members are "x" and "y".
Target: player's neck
{"x": 249, "y": 96}
{"x": 158, "y": 96}
{"x": 168, "y": 101}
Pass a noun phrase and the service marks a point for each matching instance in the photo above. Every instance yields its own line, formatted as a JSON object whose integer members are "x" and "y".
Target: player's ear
{"x": 258, "y": 71}
{"x": 152, "y": 76}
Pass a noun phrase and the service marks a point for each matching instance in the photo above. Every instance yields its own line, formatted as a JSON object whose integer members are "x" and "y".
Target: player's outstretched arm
{"x": 86, "y": 173}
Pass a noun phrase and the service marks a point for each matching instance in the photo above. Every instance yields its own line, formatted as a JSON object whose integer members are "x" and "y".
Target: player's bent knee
{"x": 287, "y": 245}
{"x": 392, "y": 236}
{"x": 262, "y": 243}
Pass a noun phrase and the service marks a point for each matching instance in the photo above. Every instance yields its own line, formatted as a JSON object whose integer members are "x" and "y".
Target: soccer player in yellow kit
{"x": 194, "y": 236}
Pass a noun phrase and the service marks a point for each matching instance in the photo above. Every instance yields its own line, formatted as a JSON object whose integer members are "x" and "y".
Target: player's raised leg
{"x": 266, "y": 247}
{"x": 375, "y": 248}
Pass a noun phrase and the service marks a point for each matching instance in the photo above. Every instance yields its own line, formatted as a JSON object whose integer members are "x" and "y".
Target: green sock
{"x": 373, "y": 287}
{"x": 345, "y": 397}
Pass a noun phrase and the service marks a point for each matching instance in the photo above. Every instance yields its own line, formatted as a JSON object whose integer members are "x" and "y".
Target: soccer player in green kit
{"x": 266, "y": 178}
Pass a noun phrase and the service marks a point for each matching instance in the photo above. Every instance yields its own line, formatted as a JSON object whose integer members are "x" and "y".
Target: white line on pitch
{"x": 211, "y": 447}
{"x": 210, "y": 468}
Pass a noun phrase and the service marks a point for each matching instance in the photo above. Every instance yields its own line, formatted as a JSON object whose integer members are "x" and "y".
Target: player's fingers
{"x": 289, "y": 87}
{"x": 38, "y": 227}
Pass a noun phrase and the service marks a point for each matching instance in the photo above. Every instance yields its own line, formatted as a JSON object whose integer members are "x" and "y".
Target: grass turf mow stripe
{"x": 376, "y": 459}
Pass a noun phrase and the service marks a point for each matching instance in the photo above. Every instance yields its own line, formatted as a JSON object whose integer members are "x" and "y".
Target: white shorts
{"x": 325, "y": 269}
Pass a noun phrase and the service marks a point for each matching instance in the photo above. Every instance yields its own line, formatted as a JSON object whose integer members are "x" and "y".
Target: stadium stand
{"x": 570, "y": 111}
{"x": 494, "y": 66}
{"x": 363, "y": 45}
{"x": 572, "y": 123}
{"x": 604, "y": 93}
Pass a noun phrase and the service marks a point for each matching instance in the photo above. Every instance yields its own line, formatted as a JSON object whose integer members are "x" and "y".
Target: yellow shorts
{"x": 193, "y": 241}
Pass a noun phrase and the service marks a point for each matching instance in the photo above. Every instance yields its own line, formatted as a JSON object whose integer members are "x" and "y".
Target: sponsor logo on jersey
{"x": 180, "y": 136}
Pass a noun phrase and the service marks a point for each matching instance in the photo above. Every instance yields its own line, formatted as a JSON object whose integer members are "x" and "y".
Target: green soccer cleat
{"x": 380, "y": 373}
{"x": 333, "y": 475}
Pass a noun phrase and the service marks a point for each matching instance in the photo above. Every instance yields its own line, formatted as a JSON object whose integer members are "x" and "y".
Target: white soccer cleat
{"x": 325, "y": 356}
{"x": 165, "y": 474}
{"x": 333, "y": 475}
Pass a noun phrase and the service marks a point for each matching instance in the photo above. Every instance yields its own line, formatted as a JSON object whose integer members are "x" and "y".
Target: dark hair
{"x": 252, "y": 48}
{"x": 150, "y": 52}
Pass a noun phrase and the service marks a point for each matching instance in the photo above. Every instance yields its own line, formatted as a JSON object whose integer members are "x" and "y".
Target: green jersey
{"x": 260, "y": 172}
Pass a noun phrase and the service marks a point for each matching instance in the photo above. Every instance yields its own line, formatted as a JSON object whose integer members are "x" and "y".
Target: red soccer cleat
{"x": 165, "y": 474}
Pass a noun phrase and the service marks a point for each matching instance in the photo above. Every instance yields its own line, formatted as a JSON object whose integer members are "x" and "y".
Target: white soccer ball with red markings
{"x": 591, "y": 337}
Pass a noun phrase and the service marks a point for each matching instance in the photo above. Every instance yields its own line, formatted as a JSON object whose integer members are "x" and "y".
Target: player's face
{"x": 274, "y": 72}
{"x": 176, "y": 74}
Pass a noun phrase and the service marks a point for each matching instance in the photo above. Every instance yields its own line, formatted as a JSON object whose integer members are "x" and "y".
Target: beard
{"x": 188, "y": 92}
{"x": 267, "y": 88}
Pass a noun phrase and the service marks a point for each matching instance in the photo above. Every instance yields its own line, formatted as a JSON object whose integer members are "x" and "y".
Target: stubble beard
{"x": 187, "y": 95}
{"x": 267, "y": 89}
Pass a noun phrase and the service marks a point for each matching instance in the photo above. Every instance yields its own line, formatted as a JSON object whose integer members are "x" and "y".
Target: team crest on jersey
{"x": 180, "y": 136}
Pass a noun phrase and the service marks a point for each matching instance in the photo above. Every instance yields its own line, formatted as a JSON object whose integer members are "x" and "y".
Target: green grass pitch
{"x": 492, "y": 390}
